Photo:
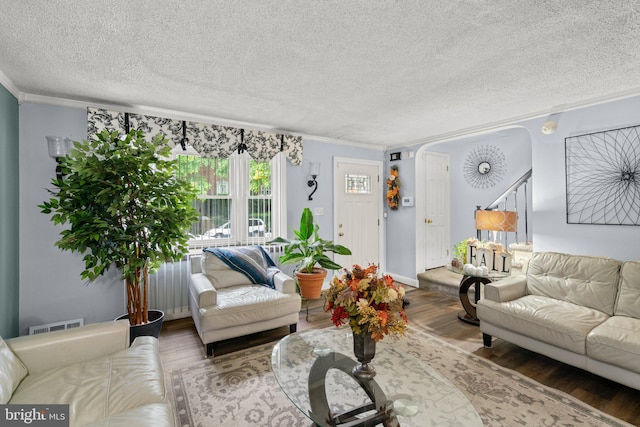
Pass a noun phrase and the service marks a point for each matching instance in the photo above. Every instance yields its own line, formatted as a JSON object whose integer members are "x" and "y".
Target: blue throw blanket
{"x": 252, "y": 261}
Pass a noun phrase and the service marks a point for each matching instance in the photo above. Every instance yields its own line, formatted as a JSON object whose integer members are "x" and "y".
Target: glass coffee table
{"x": 313, "y": 368}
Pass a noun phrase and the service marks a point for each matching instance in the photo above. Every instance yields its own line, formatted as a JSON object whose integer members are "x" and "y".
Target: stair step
{"x": 522, "y": 247}
{"x": 440, "y": 280}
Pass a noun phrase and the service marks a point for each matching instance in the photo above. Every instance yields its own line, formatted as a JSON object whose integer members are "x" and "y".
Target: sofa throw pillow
{"x": 210, "y": 263}
{"x": 219, "y": 273}
{"x": 629, "y": 293}
{"x": 12, "y": 371}
{"x": 252, "y": 261}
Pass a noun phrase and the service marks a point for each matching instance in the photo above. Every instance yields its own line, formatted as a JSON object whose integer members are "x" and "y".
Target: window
{"x": 358, "y": 184}
{"x": 240, "y": 201}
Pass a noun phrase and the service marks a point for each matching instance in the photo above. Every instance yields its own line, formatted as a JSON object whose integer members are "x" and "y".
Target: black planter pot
{"x": 151, "y": 329}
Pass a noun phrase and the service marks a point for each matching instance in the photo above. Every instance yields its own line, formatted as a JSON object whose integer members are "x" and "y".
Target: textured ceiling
{"x": 376, "y": 72}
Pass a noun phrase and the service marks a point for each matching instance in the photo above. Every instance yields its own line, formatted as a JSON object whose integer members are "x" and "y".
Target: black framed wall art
{"x": 603, "y": 177}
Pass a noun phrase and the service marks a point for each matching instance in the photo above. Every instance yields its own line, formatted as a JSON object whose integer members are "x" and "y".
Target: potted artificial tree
{"x": 124, "y": 207}
{"x": 309, "y": 250}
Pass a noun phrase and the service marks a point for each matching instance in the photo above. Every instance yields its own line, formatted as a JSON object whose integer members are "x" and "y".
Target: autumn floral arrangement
{"x": 367, "y": 302}
{"x": 393, "y": 189}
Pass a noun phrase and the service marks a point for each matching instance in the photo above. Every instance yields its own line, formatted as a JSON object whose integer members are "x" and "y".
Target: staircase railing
{"x": 512, "y": 190}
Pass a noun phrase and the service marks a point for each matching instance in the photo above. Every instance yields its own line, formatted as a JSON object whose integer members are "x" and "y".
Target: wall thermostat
{"x": 407, "y": 201}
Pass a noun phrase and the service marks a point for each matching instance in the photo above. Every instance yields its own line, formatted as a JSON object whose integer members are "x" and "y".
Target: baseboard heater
{"x": 57, "y": 326}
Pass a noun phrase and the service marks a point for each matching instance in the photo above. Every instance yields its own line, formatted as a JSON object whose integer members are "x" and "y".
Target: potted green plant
{"x": 308, "y": 251}
{"x": 460, "y": 254}
{"x": 124, "y": 207}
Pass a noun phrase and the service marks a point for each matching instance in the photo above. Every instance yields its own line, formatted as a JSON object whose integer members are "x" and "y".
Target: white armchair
{"x": 226, "y": 304}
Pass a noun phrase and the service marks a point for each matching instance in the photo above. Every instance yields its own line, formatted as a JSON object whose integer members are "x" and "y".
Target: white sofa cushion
{"x": 549, "y": 320}
{"x": 12, "y": 371}
{"x": 583, "y": 280}
{"x": 100, "y": 388}
{"x": 242, "y": 305}
{"x": 155, "y": 414}
{"x": 628, "y": 303}
{"x": 617, "y": 342}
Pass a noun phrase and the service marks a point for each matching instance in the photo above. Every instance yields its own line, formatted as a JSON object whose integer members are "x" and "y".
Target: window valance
{"x": 208, "y": 140}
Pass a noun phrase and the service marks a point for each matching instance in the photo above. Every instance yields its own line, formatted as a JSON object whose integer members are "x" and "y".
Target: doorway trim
{"x": 379, "y": 165}
{"x": 421, "y": 208}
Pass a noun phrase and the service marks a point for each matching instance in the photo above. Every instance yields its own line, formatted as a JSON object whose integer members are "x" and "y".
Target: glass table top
{"x": 491, "y": 275}
{"x": 313, "y": 369}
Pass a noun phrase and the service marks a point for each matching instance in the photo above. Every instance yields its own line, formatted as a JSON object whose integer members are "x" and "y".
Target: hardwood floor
{"x": 436, "y": 314}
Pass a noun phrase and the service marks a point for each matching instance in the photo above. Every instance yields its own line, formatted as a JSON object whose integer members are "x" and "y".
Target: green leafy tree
{"x": 259, "y": 178}
{"x": 124, "y": 207}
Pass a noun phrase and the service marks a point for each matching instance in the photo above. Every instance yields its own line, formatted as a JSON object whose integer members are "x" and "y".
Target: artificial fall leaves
{"x": 393, "y": 189}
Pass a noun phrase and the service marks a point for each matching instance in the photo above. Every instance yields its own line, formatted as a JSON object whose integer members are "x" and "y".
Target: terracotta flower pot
{"x": 311, "y": 283}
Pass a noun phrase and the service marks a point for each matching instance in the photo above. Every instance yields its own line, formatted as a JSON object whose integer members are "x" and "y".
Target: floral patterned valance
{"x": 209, "y": 140}
{"x": 213, "y": 141}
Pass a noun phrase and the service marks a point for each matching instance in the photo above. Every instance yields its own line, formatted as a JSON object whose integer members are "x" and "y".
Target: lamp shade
{"x": 58, "y": 146}
{"x": 314, "y": 168}
{"x": 497, "y": 220}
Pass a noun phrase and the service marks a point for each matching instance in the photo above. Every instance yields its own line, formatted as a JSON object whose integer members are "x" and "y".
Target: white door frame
{"x": 381, "y": 235}
{"x": 421, "y": 206}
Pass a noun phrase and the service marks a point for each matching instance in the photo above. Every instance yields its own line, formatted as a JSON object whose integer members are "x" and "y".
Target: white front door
{"x": 358, "y": 210}
{"x": 436, "y": 215}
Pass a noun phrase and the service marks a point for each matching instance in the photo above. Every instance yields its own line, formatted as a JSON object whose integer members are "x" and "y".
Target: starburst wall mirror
{"x": 484, "y": 166}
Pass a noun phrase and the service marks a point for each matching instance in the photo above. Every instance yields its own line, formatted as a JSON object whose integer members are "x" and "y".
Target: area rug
{"x": 239, "y": 389}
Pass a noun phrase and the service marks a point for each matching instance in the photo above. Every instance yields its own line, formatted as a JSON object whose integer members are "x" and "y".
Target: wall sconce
{"x": 315, "y": 171}
{"x": 58, "y": 148}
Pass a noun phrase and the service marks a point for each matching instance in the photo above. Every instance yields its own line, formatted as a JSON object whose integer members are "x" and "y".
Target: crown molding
{"x": 517, "y": 120}
{"x": 8, "y": 84}
{"x": 179, "y": 115}
{"x": 327, "y": 140}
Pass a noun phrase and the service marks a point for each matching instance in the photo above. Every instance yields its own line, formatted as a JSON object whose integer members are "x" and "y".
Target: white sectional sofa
{"x": 226, "y": 304}
{"x": 581, "y": 310}
{"x": 92, "y": 369}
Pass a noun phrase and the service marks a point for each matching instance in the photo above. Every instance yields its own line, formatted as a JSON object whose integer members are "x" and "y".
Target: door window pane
{"x": 358, "y": 184}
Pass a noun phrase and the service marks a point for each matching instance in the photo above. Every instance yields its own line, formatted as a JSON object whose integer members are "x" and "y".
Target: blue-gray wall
{"x": 297, "y": 177}
{"x": 50, "y": 286}
{"x": 552, "y": 233}
{"x": 9, "y": 215}
{"x": 525, "y": 146}
{"x": 515, "y": 144}
{"x": 400, "y": 225}
{"x": 51, "y": 289}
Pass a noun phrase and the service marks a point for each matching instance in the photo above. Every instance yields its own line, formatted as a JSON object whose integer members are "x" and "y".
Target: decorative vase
{"x": 364, "y": 348}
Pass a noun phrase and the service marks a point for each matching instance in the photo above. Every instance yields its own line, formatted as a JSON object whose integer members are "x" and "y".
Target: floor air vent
{"x": 58, "y": 326}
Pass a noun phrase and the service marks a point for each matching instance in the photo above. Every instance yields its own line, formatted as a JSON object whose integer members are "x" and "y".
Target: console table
{"x": 467, "y": 281}
{"x": 313, "y": 368}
